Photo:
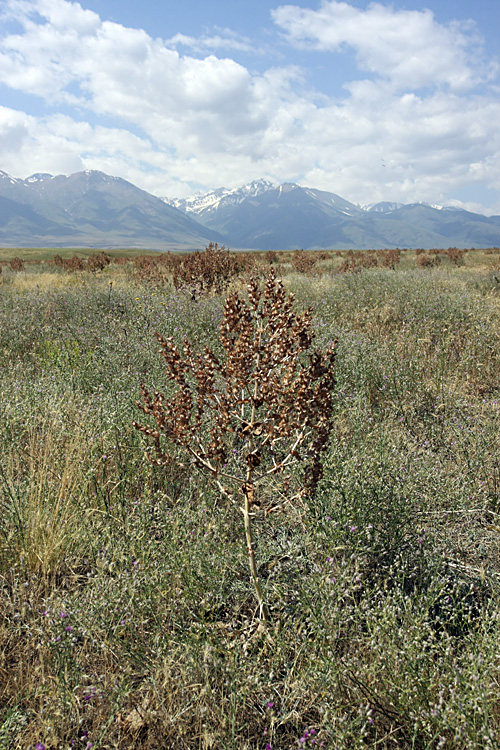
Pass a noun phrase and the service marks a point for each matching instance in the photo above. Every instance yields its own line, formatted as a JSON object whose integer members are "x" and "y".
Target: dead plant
{"x": 427, "y": 261}
{"x": 73, "y": 264}
{"x": 148, "y": 271}
{"x": 456, "y": 256}
{"x": 98, "y": 262}
{"x": 250, "y": 416}
{"x": 207, "y": 272}
{"x": 303, "y": 262}
{"x": 389, "y": 258}
{"x": 16, "y": 265}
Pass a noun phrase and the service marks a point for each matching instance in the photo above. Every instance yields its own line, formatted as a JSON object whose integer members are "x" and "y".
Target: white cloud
{"x": 412, "y": 128}
{"x": 222, "y": 39}
{"x": 409, "y": 48}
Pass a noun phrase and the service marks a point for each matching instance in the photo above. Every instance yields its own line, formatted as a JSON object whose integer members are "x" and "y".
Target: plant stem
{"x": 248, "y": 491}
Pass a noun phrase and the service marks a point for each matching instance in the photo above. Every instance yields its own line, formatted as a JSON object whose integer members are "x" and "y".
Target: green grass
{"x": 127, "y": 617}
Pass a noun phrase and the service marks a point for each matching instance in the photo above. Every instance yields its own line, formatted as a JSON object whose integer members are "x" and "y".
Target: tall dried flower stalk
{"x": 249, "y": 416}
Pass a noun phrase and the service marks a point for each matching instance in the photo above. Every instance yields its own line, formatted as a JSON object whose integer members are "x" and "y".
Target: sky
{"x": 396, "y": 101}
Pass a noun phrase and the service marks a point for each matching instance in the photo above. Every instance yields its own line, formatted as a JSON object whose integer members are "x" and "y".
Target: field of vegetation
{"x": 128, "y": 613}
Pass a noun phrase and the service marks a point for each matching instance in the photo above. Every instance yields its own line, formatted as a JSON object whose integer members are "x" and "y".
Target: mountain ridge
{"x": 93, "y": 209}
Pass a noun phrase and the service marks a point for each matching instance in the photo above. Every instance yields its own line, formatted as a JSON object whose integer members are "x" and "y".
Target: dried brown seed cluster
{"x": 265, "y": 403}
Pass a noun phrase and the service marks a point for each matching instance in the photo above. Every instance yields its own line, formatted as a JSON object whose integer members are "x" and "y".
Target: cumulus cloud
{"x": 418, "y": 123}
{"x": 408, "y": 48}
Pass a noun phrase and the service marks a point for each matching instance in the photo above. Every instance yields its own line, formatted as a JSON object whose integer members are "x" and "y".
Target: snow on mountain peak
{"x": 212, "y": 201}
{"x": 39, "y": 177}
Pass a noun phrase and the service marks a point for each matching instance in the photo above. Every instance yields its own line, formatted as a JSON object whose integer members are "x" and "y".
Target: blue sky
{"x": 373, "y": 101}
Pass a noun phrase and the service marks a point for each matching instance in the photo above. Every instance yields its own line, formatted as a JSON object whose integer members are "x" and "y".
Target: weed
{"x": 207, "y": 272}
{"x": 254, "y": 413}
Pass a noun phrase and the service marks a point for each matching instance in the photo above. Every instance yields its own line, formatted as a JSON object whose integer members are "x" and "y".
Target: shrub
{"x": 427, "y": 261}
{"x": 97, "y": 262}
{"x": 303, "y": 262}
{"x": 210, "y": 271}
{"x": 148, "y": 271}
{"x": 252, "y": 414}
{"x": 16, "y": 265}
{"x": 456, "y": 256}
{"x": 73, "y": 264}
{"x": 389, "y": 258}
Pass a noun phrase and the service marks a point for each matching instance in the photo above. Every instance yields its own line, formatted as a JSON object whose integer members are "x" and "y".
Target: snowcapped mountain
{"x": 93, "y": 209}
{"x": 202, "y": 204}
{"x": 264, "y": 216}
{"x": 39, "y": 177}
{"x": 383, "y": 207}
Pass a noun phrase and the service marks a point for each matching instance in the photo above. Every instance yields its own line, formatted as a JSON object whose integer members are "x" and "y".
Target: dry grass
{"x": 47, "y": 494}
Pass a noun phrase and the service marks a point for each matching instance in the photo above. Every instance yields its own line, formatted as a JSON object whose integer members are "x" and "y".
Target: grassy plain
{"x": 127, "y": 616}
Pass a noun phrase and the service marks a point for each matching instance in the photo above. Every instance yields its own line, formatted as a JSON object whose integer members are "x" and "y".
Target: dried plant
{"x": 303, "y": 262}
{"x": 169, "y": 261}
{"x": 427, "y": 261}
{"x": 389, "y": 258}
{"x": 207, "y": 272}
{"x": 248, "y": 417}
{"x": 148, "y": 271}
{"x": 16, "y": 265}
{"x": 351, "y": 264}
{"x": 456, "y": 256}
{"x": 73, "y": 264}
{"x": 98, "y": 262}
{"x": 271, "y": 257}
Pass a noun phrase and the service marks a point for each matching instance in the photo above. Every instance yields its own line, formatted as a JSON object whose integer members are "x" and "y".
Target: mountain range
{"x": 266, "y": 216}
{"x": 92, "y": 209}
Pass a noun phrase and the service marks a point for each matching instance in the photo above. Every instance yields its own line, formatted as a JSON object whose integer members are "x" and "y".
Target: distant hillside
{"x": 91, "y": 209}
